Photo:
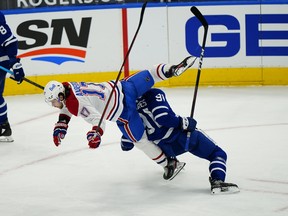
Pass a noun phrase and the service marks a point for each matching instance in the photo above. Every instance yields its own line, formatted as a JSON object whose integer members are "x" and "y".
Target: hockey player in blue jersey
{"x": 88, "y": 100}
{"x": 169, "y": 132}
{"x": 8, "y": 60}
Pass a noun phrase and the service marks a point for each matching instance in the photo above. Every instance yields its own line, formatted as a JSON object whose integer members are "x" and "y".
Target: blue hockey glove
{"x": 18, "y": 71}
{"x": 188, "y": 124}
{"x": 126, "y": 144}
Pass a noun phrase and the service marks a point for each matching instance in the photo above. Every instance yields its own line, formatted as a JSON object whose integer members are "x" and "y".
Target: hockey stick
{"x": 204, "y": 23}
{"x": 24, "y": 78}
{"x": 124, "y": 61}
{"x": 33, "y": 83}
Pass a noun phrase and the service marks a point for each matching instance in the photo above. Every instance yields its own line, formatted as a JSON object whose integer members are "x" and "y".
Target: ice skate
{"x": 5, "y": 132}
{"x": 177, "y": 70}
{"x": 220, "y": 187}
{"x": 173, "y": 168}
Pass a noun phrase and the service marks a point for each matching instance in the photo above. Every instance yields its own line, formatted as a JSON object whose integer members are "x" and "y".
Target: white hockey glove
{"x": 18, "y": 71}
{"x": 188, "y": 124}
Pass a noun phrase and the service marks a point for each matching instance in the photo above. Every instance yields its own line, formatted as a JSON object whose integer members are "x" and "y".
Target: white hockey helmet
{"x": 52, "y": 91}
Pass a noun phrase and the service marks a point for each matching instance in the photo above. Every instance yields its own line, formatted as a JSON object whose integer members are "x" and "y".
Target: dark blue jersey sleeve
{"x": 8, "y": 42}
{"x": 161, "y": 123}
{"x": 160, "y": 108}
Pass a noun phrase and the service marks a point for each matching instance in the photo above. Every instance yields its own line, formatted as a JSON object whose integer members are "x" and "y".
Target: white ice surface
{"x": 249, "y": 123}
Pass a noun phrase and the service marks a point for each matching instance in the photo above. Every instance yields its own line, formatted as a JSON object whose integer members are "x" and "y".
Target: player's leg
{"x": 5, "y": 129}
{"x": 173, "y": 163}
{"x": 152, "y": 151}
{"x": 137, "y": 84}
{"x": 164, "y": 71}
{"x": 130, "y": 123}
{"x": 170, "y": 165}
{"x": 207, "y": 149}
{"x": 133, "y": 131}
{"x": 144, "y": 80}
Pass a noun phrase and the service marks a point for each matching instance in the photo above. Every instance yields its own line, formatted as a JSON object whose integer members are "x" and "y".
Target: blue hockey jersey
{"x": 163, "y": 127}
{"x": 158, "y": 117}
{"x": 8, "y": 44}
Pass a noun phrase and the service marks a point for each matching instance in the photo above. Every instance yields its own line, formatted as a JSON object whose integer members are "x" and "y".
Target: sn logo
{"x": 36, "y": 37}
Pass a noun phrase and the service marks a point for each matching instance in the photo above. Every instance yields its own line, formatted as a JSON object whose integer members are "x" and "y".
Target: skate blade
{"x": 226, "y": 190}
{"x": 183, "y": 66}
{"x": 6, "y": 139}
{"x": 179, "y": 167}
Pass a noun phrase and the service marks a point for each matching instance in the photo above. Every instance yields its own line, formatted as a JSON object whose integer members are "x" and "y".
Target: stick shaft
{"x": 24, "y": 78}
{"x": 124, "y": 61}
{"x": 204, "y": 23}
{"x": 33, "y": 83}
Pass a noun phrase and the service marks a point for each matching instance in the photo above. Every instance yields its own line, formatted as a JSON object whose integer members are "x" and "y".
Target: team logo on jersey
{"x": 66, "y": 42}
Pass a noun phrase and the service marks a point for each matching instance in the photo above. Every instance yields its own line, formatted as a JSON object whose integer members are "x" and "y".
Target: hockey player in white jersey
{"x": 8, "y": 60}
{"x": 169, "y": 132}
{"x": 88, "y": 100}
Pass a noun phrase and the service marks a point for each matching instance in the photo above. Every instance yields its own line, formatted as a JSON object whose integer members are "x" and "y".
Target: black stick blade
{"x": 199, "y": 15}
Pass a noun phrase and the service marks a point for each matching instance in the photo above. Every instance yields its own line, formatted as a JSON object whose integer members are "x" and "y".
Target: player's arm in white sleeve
{"x": 61, "y": 127}
{"x": 64, "y": 115}
{"x": 92, "y": 116}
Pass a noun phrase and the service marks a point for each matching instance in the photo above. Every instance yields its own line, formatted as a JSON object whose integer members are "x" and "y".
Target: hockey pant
{"x": 133, "y": 87}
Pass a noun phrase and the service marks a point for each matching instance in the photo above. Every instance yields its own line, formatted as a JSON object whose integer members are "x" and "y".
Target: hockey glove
{"x": 94, "y": 138}
{"x": 18, "y": 71}
{"x": 126, "y": 144}
{"x": 187, "y": 124}
{"x": 59, "y": 133}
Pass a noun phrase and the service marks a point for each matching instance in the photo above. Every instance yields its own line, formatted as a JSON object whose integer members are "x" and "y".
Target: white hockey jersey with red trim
{"x": 88, "y": 100}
